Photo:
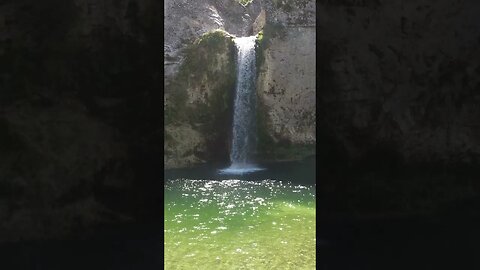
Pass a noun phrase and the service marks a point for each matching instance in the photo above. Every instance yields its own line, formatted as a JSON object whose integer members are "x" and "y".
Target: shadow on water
{"x": 298, "y": 172}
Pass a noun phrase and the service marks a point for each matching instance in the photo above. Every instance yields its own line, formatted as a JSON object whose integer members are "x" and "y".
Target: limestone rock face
{"x": 400, "y": 78}
{"x": 200, "y": 77}
{"x": 259, "y": 22}
{"x": 186, "y": 21}
{"x": 286, "y": 88}
{"x": 178, "y": 147}
{"x": 286, "y": 81}
{"x": 198, "y": 103}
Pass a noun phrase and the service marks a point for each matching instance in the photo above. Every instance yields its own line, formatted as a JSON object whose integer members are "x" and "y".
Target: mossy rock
{"x": 201, "y": 94}
{"x": 201, "y": 60}
{"x": 270, "y": 149}
{"x": 245, "y": 2}
{"x": 260, "y": 47}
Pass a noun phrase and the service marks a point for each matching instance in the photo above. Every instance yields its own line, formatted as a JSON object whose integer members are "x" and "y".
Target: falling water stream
{"x": 244, "y": 135}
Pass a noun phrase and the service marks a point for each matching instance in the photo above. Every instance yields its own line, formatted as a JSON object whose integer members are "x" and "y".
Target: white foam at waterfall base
{"x": 244, "y": 137}
{"x": 240, "y": 169}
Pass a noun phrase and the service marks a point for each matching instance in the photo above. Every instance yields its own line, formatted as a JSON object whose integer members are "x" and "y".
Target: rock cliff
{"x": 286, "y": 91}
{"x": 198, "y": 103}
{"x": 286, "y": 81}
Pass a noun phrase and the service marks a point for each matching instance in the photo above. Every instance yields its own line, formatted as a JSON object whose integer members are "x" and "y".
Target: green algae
{"x": 203, "y": 68}
{"x": 201, "y": 94}
{"x": 245, "y": 2}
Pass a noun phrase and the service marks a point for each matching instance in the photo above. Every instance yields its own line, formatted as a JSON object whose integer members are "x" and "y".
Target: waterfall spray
{"x": 244, "y": 131}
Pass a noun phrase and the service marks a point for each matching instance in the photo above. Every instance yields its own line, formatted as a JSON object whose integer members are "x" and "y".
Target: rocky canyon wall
{"x": 286, "y": 81}
{"x": 285, "y": 86}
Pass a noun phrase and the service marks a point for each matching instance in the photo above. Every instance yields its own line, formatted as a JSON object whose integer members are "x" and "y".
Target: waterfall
{"x": 244, "y": 135}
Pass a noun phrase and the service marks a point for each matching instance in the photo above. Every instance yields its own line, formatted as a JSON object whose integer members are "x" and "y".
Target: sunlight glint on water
{"x": 235, "y": 224}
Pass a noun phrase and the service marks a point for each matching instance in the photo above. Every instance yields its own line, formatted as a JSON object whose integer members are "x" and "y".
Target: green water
{"x": 239, "y": 224}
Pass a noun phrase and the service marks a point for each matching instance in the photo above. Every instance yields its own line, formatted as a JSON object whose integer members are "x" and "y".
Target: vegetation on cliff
{"x": 245, "y": 2}
{"x": 201, "y": 93}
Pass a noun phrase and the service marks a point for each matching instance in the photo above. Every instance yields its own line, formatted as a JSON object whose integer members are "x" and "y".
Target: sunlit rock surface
{"x": 186, "y": 21}
{"x": 286, "y": 85}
